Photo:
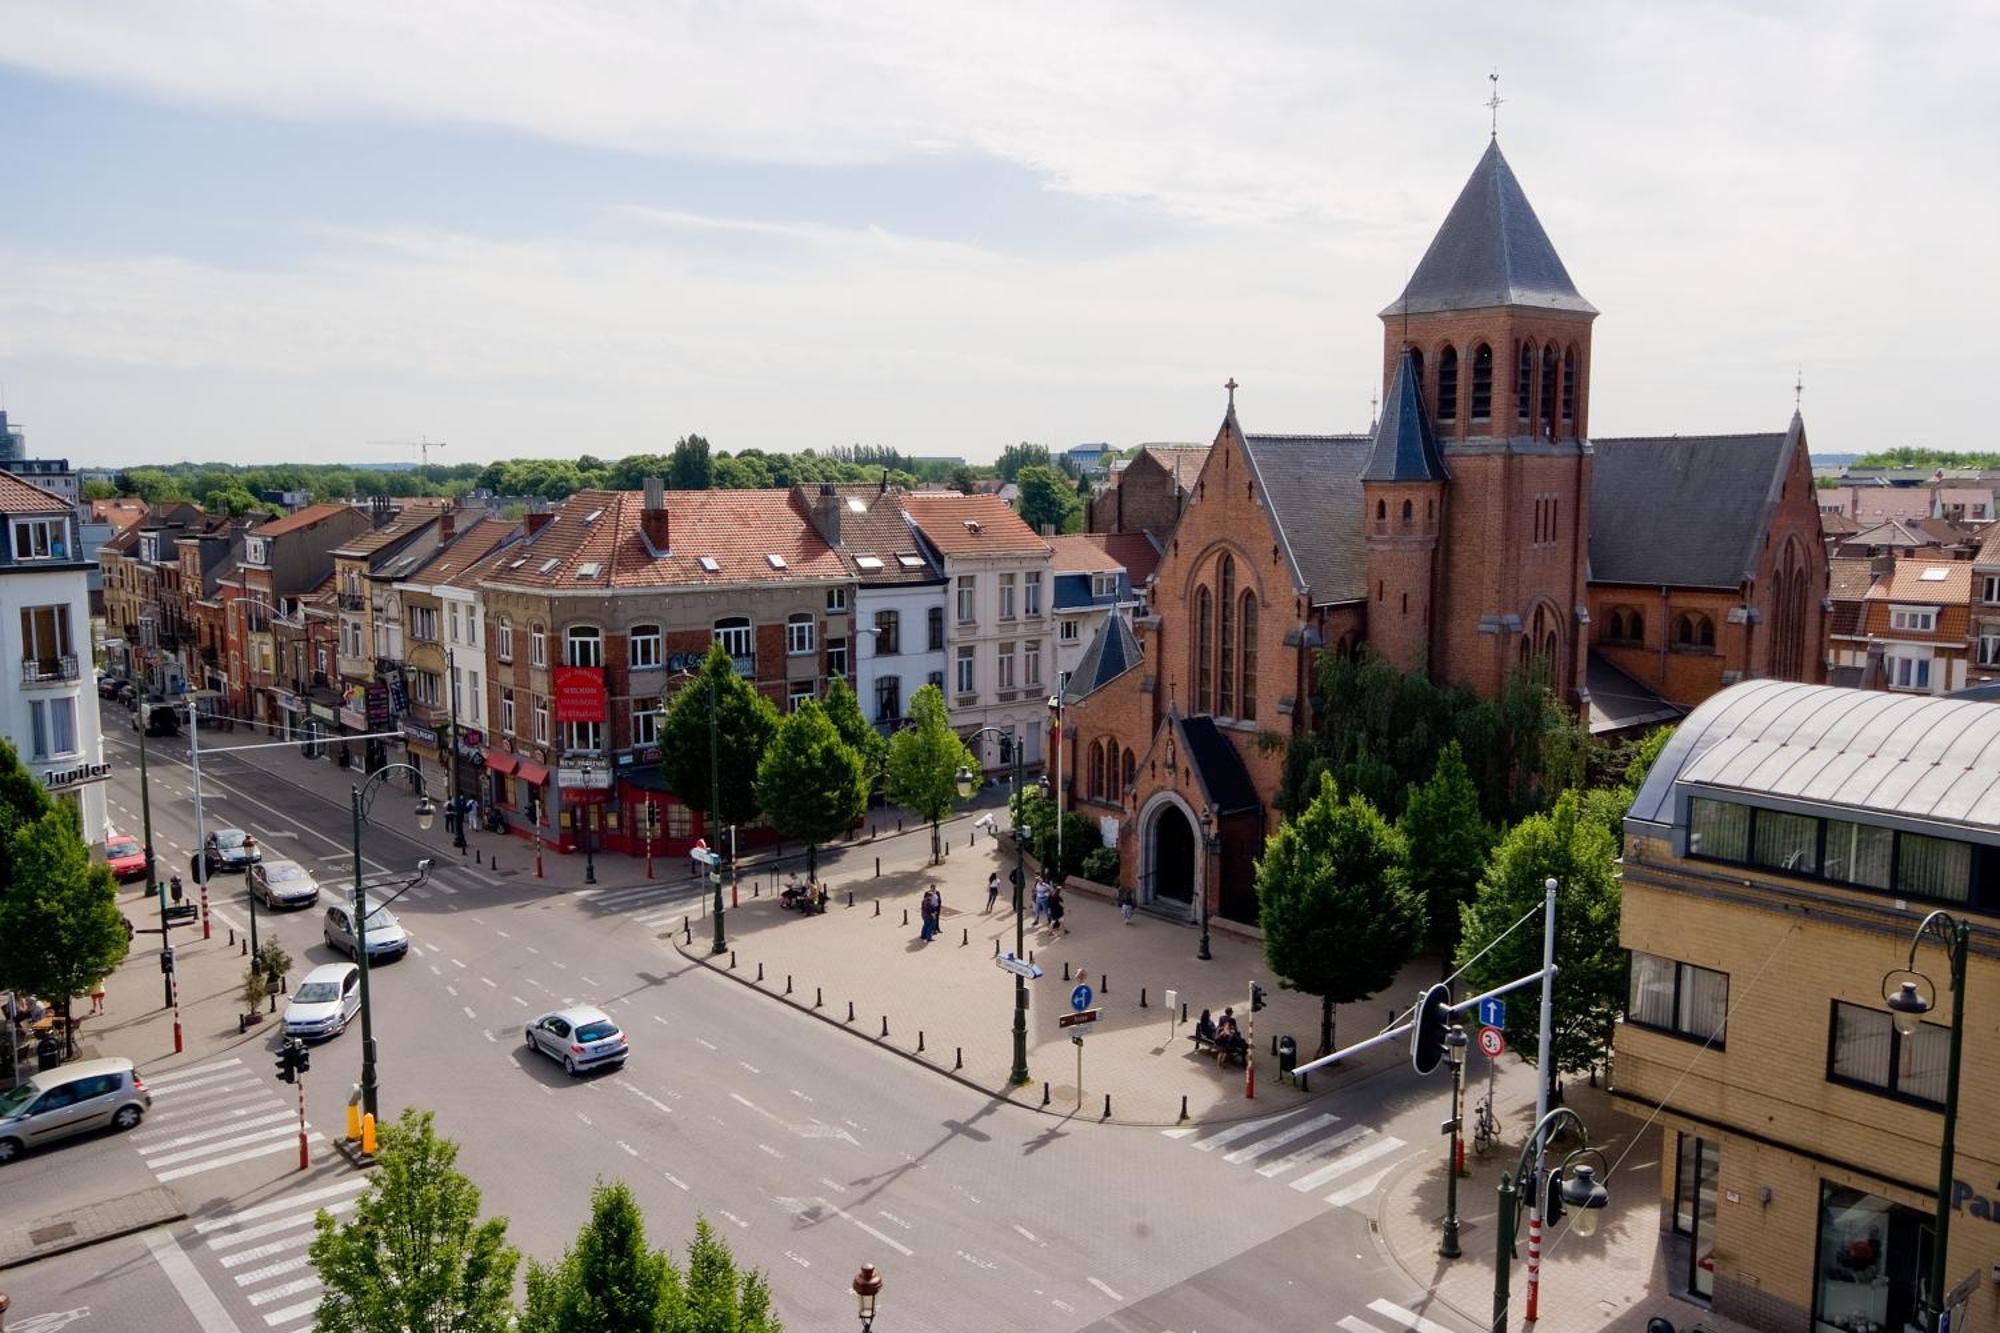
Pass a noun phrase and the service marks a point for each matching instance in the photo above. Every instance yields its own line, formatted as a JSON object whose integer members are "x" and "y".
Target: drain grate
{"x": 55, "y": 1231}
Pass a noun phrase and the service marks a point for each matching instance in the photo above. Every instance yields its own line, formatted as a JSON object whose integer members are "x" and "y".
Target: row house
{"x": 1094, "y": 574}
{"x": 145, "y": 613}
{"x": 366, "y": 569}
{"x": 207, "y": 557}
{"x": 610, "y": 603}
{"x": 281, "y": 564}
{"x": 1986, "y": 611}
{"x": 1920, "y": 625}
{"x": 442, "y": 660}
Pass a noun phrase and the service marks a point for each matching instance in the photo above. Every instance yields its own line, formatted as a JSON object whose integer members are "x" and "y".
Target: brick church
{"x": 1477, "y": 529}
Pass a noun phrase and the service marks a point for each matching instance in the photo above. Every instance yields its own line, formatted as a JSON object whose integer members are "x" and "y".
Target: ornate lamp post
{"x": 1209, "y": 843}
{"x": 966, "y": 781}
{"x": 1578, "y": 1188}
{"x": 425, "y": 813}
{"x": 867, "y": 1286}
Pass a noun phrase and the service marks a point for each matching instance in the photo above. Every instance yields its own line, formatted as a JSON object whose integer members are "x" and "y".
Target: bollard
{"x": 478, "y": 858}
{"x": 1045, "y": 1092}
{"x": 996, "y": 946}
{"x": 1142, "y": 997}
{"x": 368, "y": 1135}
{"x": 788, "y": 983}
{"x": 850, "y": 898}
{"x": 1104, "y": 983}
{"x": 1107, "y": 1106}
{"x": 274, "y": 1003}
{"x": 494, "y": 865}
{"x": 899, "y": 823}
{"x": 760, "y": 974}
{"x": 732, "y": 960}
{"x": 850, "y": 1011}
{"x": 1183, "y": 1011}
{"x": 958, "y": 1060}
{"x": 819, "y": 1000}
{"x": 244, "y": 952}
{"x": 1184, "y": 1106}
{"x": 878, "y": 867}
{"x": 353, "y": 1121}
{"x": 1031, "y": 955}
{"x": 687, "y": 933}
{"x": 885, "y": 1025}
{"x": 906, "y": 913}
{"x": 964, "y": 936}
{"x": 920, "y": 1041}
{"x": 1065, "y": 968}
{"x": 232, "y": 937}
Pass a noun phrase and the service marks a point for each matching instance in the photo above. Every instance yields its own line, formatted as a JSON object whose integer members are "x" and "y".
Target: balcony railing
{"x": 353, "y": 601}
{"x": 48, "y": 670}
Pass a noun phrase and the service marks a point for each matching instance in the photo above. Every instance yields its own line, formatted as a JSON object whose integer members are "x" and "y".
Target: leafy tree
{"x": 1048, "y": 499}
{"x": 414, "y": 1254}
{"x": 609, "y": 1281}
{"x": 1061, "y": 857}
{"x": 811, "y": 782}
{"x": 962, "y": 478}
{"x": 1334, "y": 900}
{"x": 22, "y": 801}
{"x": 924, "y": 759}
{"x": 99, "y": 488}
{"x": 843, "y": 709}
{"x": 630, "y": 473}
{"x": 236, "y": 502}
{"x": 1577, "y": 852}
{"x": 1641, "y": 754}
{"x": 744, "y": 724}
{"x": 689, "y": 467}
{"x": 720, "y": 1299}
{"x": 1018, "y": 456}
{"x": 60, "y": 928}
{"x": 1448, "y": 843}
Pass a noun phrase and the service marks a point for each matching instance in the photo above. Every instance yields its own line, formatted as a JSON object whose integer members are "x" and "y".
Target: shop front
{"x": 425, "y": 749}
{"x": 518, "y": 787}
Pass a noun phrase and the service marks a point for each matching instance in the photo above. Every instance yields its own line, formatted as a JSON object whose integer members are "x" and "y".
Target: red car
{"x": 125, "y": 856}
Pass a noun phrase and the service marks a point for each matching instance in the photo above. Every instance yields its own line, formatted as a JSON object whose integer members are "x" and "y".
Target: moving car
{"x": 108, "y": 685}
{"x": 283, "y": 884}
{"x": 156, "y": 717}
{"x": 580, "y": 1037}
{"x": 125, "y": 856}
{"x": 386, "y": 936}
{"x": 325, "y": 1002}
{"x": 73, "y": 1099}
{"x": 232, "y": 849}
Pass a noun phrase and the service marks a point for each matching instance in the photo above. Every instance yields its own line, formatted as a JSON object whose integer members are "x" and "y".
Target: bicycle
{"x": 1485, "y": 1128}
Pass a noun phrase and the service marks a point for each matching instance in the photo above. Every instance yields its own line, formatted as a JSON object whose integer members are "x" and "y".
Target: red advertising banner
{"x": 579, "y": 694}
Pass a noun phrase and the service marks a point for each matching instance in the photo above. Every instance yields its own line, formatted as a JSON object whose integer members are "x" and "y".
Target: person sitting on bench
{"x": 1204, "y": 1029}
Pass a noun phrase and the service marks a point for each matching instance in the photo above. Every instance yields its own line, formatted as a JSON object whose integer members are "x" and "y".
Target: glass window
{"x": 586, "y": 736}
{"x": 888, "y": 633}
{"x": 968, "y": 678}
{"x": 507, "y": 712}
{"x": 968, "y": 599}
{"x": 1031, "y": 664}
{"x": 541, "y": 722}
{"x": 1071, "y": 630}
{"x": 1004, "y": 676}
{"x": 888, "y": 698}
{"x": 680, "y": 821}
{"x": 1696, "y": 1169}
{"x": 586, "y": 646}
{"x": 503, "y": 644}
{"x": 1787, "y": 842}
{"x": 646, "y": 646}
{"x": 734, "y": 636}
{"x": 538, "y": 645}
{"x": 1651, "y": 995}
{"x": 801, "y": 634}
{"x": 1933, "y": 867}
{"x": 645, "y": 726}
{"x": 1677, "y": 998}
{"x": 836, "y": 601}
{"x": 45, "y": 638}
{"x": 1858, "y": 853}
{"x": 797, "y": 693}
{"x": 836, "y": 657}
{"x": 1872, "y": 1254}
{"x": 1718, "y": 829}
{"x": 935, "y": 623}
{"x": 1867, "y": 1052}
{"x": 1031, "y": 593}
{"x": 1006, "y": 596}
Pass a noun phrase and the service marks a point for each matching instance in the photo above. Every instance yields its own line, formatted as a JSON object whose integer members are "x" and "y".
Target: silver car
{"x": 283, "y": 884}
{"x": 325, "y": 1002}
{"x": 581, "y": 1037}
{"x": 386, "y": 936}
{"x": 74, "y": 1099}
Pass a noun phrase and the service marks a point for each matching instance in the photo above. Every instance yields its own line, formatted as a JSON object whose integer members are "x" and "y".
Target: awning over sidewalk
{"x": 499, "y": 761}
{"x": 531, "y": 773}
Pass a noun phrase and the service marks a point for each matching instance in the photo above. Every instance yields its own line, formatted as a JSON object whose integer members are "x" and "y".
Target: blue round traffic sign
{"x": 1079, "y": 999}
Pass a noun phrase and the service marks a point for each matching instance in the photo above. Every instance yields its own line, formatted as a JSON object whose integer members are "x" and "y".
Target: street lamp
{"x": 587, "y": 828}
{"x": 450, "y": 751}
{"x": 965, "y": 781}
{"x": 1578, "y": 1189}
{"x": 714, "y": 809}
{"x": 1208, "y": 846}
{"x": 426, "y": 814}
{"x": 1907, "y": 1006}
{"x": 867, "y": 1286}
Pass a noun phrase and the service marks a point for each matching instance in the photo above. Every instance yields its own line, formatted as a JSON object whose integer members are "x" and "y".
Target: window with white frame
{"x": 1910, "y": 673}
{"x": 541, "y": 721}
{"x": 1922, "y": 618}
{"x": 888, "y": 633}
{"x": 1003, "y": 676}
{"x": 1031, "y": 599}
{"x": 583, "y": 737}
{"x": 477, "y": 699}
{"x": 52, "y": 727}
{"x": 1989, "y": 648}
{"x": 40, "y": 538}
{"x": 801, "y": 634}
{"x": 424, "y": 687}
{"x": 256, "y": 550}
{"x": 584, "y": 646}
{"x": 968, "y": 598}
{"x": 645, "y": 725}
{"x": 888, "y": 698}
{"x": 1989, "y": 589}
{"x": 646, "y": 647}
{"x": 503, "y": 640}
{"x": 968, "y": 673}
{"x": 1031, "y": 664}
{"x": 46, "y": 647}
{"x": 424, "y": 623}
{"x": 797, "y": 693}
{"x": 836, "y": 600}
{"x": 452, "y": 621}
{"x": 1006, "y": 596}
{"x": 538, "y": 645}
{"x": 1103, "y": 585}
{"x": 1071, "y": 630}
{"x": 507, "y": 712}
{"x": 734, "y": 635}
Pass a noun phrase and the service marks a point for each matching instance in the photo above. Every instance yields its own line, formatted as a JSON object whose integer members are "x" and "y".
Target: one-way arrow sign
{"x": 1020, "y": 967}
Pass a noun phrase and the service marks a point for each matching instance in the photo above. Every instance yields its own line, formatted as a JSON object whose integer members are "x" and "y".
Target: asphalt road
{"x": 810, "y": 1151}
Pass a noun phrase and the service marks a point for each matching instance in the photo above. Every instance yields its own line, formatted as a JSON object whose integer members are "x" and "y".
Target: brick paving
{"x": 75, "y": 1228}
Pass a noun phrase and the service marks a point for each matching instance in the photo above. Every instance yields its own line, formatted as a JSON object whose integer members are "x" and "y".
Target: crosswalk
{"x": 1353, "y": 1159}
{"x": 1391, "y": 1318}
{"x": 262, "y": 1249}
{"x": 656, "y": 904}
{"x": 214, "y": 1115}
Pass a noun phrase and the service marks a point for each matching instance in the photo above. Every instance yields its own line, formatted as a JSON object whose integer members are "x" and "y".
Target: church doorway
{"x": 1170, "y": 846}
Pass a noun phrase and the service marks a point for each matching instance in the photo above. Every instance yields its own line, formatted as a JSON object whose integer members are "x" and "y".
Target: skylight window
{"x": 548, "y": 565}
{"x": 592, "y": 517}
{"x": 777, "y": 561}
{"x": 854, "y": 505}
{"x": 518, "y": 563}
{"x": 589, "y": 569}
{"x": 909, "y": 561}
{"x": 710, "y": 565}
{"x": 868, "y": 564}
{"x": 1935, "y": 574}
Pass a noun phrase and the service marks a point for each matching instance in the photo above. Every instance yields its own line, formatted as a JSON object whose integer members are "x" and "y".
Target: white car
{"x": 580, "y": 1037}
{"x": 325, "y": 1002}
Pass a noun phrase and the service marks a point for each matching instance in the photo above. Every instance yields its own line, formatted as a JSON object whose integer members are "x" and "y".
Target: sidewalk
{"x": 1610, "y": 1282}
{"x": 949, "y": 998}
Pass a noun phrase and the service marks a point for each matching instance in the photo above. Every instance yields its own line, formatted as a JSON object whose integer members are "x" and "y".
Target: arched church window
{"x": 1615, "y": 627}
{"x": 1569, "y": 383}
{"x": 1549, "y": 391}
{"x": 1097, "y": 770}
{"x": 1381, "y": 511}
{"x": 1694, "y": 631}
{"x": 1635, "y": 627}
{"x": 1204, "y": 649}
{"x": 1447, "y": 398}
{"x": 1249, "y": 709}
{"x": 1131, "y": 769}
{"x": 1482, "y": 382}
{"x": 1524, "y": 378}
{"x": 1225, "y": 703}
{"x": 1409, "y": 513}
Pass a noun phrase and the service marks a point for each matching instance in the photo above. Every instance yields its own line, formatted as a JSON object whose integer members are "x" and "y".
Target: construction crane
{"x": 423, "y": 445}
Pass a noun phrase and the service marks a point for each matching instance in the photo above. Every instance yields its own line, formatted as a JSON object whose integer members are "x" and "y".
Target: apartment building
{"x": 1918, "y": 616}
{"x": 1001, "y": 632}
{"x": 1091, "y": 574}
{"x": 366, "y": 570}
{"x": 1779, "y": 860}
{"x": 442, "y": 662}
{"x": 280, "y": 564}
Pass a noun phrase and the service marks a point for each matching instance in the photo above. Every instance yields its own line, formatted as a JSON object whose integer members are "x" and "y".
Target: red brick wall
{"x": 1401, "y": 556}
{"x": 1144, "y": 500}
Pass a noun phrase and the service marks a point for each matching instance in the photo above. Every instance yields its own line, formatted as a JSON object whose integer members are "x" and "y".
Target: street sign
{"x": 1076, "y": 1019}
{"x": 1492, "y": 1014}
{"x": 1080, "y": 998}
{"x": 1493, "y": 1042}
{"x": 1020, "y": 967}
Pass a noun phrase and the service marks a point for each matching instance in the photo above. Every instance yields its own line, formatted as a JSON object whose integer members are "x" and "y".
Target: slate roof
{"x": 1216, "y": 765}
{"x": 1405, "y": 447}
{"x": 1649, "y": 497}
{"x": 1312, "y": 486}
{"x": 943, "y": 519}
{"x": 296, "y": 522}
{"x": 1491, "y": 251}
{"x": 1113, "y": 651}
{"x": 1891, "y": 533}
{"x": 1619, "y": 703}
{"x": 873, "y": 525}
{"x": 1188, "y": 457}
{"x": 18, "y": 497}
{"x": 1848, "y": 581}
{"x": 412, "y": 519}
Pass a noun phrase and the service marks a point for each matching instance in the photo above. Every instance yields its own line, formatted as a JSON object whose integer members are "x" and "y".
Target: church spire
{"x": 1406, "y": 448}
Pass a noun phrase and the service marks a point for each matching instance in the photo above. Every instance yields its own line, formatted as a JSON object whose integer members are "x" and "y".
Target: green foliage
{"x": 1910, "y": 457}
{"x": 237, "y": 503}
{"x": 1339, "y": 916}
{"x": 745, "y": 721}
{"x": 1035, "y": 815}
{"x": 60, "y": 928}
{"x": 721, "y": 1299}
{"x": 1099, "y": 865}
{"x": 98, "y": 488}
{"x": 689, "y": 467}
{"x": 924, "y": 759}
{"x": 1018, "y": 456}
{"x": 1578, "y": 852}
{"x": 609, "y": 1281}
{"x": 22, "y": 801}
{"x": 1640, "y": 755}
{"x": 414, "y": 1254}
{"x": 1448, "y": 843}
{"x": 843, "y": 709}
{"x": 1047, "y": 498}
{"x": 811, "y": 782}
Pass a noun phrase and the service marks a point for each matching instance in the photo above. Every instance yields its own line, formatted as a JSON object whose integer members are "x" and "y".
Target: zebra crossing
{"x": 1392, "y": 1318}
{"x": 262, "y": 1249}
{"x": 655, "y": 904}
{"x": 1353, "y": 1159}
{"x": 214, "y": 1115}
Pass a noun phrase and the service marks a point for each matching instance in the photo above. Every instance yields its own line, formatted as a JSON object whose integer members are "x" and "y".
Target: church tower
{"x": 1494, "y": 339}
{"x": 1402, "y": 490}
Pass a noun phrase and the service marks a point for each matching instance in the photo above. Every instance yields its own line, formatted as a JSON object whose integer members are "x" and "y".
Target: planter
{"x": 245, "y": 1021}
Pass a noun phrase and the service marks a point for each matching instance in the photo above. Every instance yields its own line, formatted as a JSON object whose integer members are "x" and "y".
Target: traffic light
{"x": 1256, "y": 997}
{"x": 293, "y": 1060}
{"x": 166, "y": 962}
{"x": 1429, "y": 1033}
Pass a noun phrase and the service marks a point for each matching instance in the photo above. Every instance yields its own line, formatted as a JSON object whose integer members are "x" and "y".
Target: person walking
{"x": 992, "y": 891}
{"x": 1041, "y": 900}
{"x": 1056, "y": 911}
{"x": 1126, "y": 903}
{"x": 97, "y": 998}
{"x": 933, "y": 904}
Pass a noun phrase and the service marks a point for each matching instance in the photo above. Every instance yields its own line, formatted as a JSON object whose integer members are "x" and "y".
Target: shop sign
{"x": 287, "y": 700}
{"x": 579, "y": 694}
{"x": 644, "y": 754}
{"x": 81, "y": 775}
{"x": 419, "y": 733}
{"x": 585, "y": 795}
{"x": 583, "y": 779}
{"x": 1981, "y": 1206}
{"x": 325, "y": 713}
{"x": 378, "y": 701}
{"x": 686, "y": 661}
{"x": 354, "y": 719}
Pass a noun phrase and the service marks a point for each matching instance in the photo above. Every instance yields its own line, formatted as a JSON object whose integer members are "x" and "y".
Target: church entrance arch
{"x": 1170, "y": 865}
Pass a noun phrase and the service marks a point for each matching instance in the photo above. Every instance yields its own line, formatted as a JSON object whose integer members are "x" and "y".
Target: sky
{"x": 249, "y": 232}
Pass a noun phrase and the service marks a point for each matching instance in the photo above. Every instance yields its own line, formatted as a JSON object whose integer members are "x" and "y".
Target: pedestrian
{"x": 1056, "y": 911}
{"x": 933, "y": 906}
{"x": 1126, "y": 903}
{"x": 992, "y": 891}
{"x": 1041, "y": 900}
{"x": 97, "y": 998}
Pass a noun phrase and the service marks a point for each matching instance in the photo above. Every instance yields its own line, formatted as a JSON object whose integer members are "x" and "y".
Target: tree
{"x": 689, "y": 467}
{"x": 744, "y": 724}
{"x": 1578, "y": 853}
{"x": 811, "y": 782}
{"x": 414, "y": 1255}
{"x": 1017, "y": 456}
{"x": 99, "y": 488}
{"x": 719, "y": 1298}
{"x": 1335, "y": 903}
{"x": 60, "y": 928}
{"x": 924, "y": 759}
{"x": 22, "y": 800}
{"x": 1047, "y": 499}
{"x": 609, "y": 1281}
{"x": 1448, "y": 843}
{"x": 1060, "y": 857}
{"x": 843, "y": 709}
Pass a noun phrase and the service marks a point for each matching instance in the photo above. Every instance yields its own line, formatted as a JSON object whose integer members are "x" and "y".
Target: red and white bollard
{"x": 1534, "y": 1263}
{"x": 176, "y": 982}
{"x": 305, "y": 1152}
{"x": 204, "y": 907}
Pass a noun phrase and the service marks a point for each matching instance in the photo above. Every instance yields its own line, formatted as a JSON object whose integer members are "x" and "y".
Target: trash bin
{"x": 1288, "y": 1054}
{"x": 48, "y": 1052}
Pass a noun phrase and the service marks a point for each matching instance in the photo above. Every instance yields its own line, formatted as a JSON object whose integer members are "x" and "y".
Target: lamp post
{"x": 714, "y": 811}
{"x": 867, "y": 1286}
{"x": 1208, "y": 845}
{"x": 425, "y": 814}
{"x": 965, "y": 781}
{"x": 1454, "y": 1054}
{"x": 1907, "y": 1006}
{"x": 450, "y": 751}
{"x": 1578, "y": 1189}
{"x": 588, "y": 827}
{"x": 1055, "y": 787}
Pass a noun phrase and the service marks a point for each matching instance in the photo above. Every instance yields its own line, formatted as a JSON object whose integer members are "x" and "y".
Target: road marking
{"x": 1235, "y": 1132}
{"x": 1312, "y": 1180}
{"x": 202, "y": 1303}
{"x": 588, "y": 981}
{"x": 705, "y": 1042}
{"x": 630, "y": 1151}
{"x": 1312, "y": 1150}
{"x": 248, "y": 1117}
{"x": 436, "y": 971}
{"x": 491, "y": 982}
{"x": 1360, "y": 1189}
{"x": 163, "y": 1082}
{"x": 1025, "y": 1232}
{"x": 674, "y": 1180}
{"x": 269, "y": 1271}
{"x": 584, "y": 1118}
{"x": 518, "y": 1000}
{"x": 456, "y": 963}
{"x": 752, "y": 1068}
{"x": 256, "y": 1252}
{"x": 187, "y": 1154}
{"x": 884, "y": 1212}
{"x": 795, "y": 1258}
{"x": 292, "y": 1312}
{"x": 531, "y": 948}
{"x": 765, "y": 1147}
{"x": 886, "y": 1239}
{"x": 833, "y": 1185}
{"x": 1106, "y": 1290}
{"x": 451, "y": 990}
{"x": 502, "y": 934}
{"x": 1311, "y": 1125}
{"x": 1409, "y": 1318}
{"x": 288, "y": 1289}
{"x": 468, "y": 1011}
{"x": 1180, "y": 1133}
{"x": 214, "y": 1098}
{"x": 1353, "y": 1325}
{"x": 277, "y": 1206}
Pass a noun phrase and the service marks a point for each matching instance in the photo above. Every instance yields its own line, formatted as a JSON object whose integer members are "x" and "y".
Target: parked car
{"x": 386, "y": 936}
{"x": 233, "y": 850}
{"x": 580, "y": 1037}
{"x": 283, "y": 884}
{"x": 70, "y": 1100}
{"x": 325, "y": 1002}
{"x": 108, "y": 685}
{"x": 126, "y": 694}
{"x": 125, "y": 856}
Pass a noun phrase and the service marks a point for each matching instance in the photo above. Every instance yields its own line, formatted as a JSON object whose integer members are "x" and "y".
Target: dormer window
{"x": 43, "y": 539}
{"x": 257, "y": 550}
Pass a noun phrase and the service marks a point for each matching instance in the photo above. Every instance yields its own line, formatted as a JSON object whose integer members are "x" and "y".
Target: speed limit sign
{"x": 1492, "y": 1041}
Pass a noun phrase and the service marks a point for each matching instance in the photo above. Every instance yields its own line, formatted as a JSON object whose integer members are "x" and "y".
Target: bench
{"x": 1206, "y": 1046}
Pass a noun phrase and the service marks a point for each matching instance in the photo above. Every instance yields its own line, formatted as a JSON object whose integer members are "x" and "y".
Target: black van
{"x": 156, "y": 717}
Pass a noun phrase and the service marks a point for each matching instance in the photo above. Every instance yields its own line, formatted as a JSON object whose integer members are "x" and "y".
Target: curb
{"x": 172, "y": 1211}
{"x": 1380, "y": 1233}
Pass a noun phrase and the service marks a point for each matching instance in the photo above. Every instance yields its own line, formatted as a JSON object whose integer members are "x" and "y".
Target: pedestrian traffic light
{"x": 1429, "y": 1033}
{"x": 1256, "y": 997}
{"x": 174, "y": 887}
{"x": 293, "y": 1060}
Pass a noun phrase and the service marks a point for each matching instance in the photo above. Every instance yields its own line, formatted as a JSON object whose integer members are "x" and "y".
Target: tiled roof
{"x": 305, "y": 518}
{"x": 119, "y": 513}
{"x": 1187, "y": 458}
{"x": 1312, "y": 486}
{"x": 1989, "y": 551}
{"x": 18, "y": 497}
{"x": 1891, "y": 533}
{"x": 1081, "y": 553}
{"x": 1685, "y": 511}
{"x": 1849, "y": 577}
{"x": 413, "y": 518}
{"x": 876, "y": 537}
{"x": 1938, "y": 582}
{"x": 124, "y": 543}
{"x": 944, "y": 521}
{"x": 467, "y": 548}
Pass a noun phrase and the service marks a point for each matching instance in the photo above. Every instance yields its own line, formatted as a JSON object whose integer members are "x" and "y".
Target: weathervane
{"x": 1493, "y": 102}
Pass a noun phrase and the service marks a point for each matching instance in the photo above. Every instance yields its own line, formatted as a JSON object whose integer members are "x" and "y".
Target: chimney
{"x": 1881, "y": 566}
{"x": 535, "y": 520}
{"x": 885, "y": 481}
{"x": 653, "y": 520}
{"x": 447, "y": 525}
{"x": 826, "y": 513}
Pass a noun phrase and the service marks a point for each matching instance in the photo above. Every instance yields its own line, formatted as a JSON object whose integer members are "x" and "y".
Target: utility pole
{"x": 1543, "y": 1073}
{"x": 153, "y": 886}
{"x": 715, "y": 812}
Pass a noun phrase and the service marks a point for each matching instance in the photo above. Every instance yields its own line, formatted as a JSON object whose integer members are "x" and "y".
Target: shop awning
{"x": 500, "y": 761}
{"x": 532, "y": 773}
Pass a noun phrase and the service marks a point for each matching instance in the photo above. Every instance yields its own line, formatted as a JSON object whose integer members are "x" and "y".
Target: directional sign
{"x": 1492, "y": 1014}
{"x": 1080, "y": 998}
{"x": 1493, "y": 1042}
{"x": 1020, "y": 967}
{"x": 1080, "y": 1017}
